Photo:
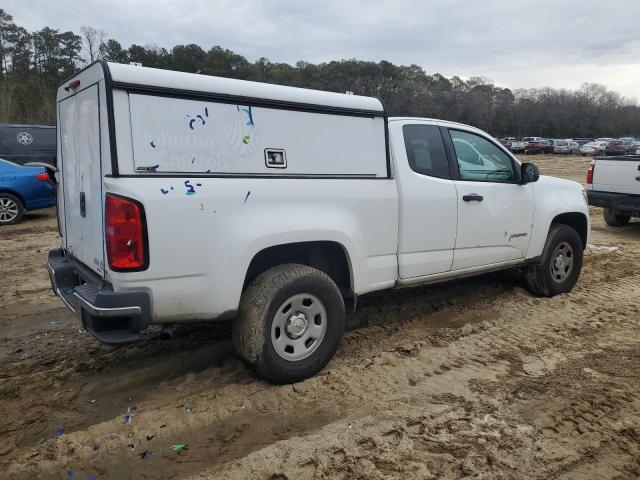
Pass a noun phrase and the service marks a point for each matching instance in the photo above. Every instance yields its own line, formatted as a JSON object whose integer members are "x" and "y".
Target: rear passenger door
{"x": 495, "y": 212}
{"x": 428, "y": 200}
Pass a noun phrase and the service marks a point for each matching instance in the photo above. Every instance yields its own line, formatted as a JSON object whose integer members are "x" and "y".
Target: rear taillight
{"x": 590, "y": 174}
{"x": 125, "y": 234}
{"x": 43, "y": 177}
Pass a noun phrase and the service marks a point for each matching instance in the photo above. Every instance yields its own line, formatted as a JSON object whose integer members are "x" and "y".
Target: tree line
{"x": 32, "y": 64}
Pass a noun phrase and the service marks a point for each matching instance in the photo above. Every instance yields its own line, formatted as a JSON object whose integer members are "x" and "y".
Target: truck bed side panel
{"x": 618, "y": 175}
{"x": 202, "y": 243}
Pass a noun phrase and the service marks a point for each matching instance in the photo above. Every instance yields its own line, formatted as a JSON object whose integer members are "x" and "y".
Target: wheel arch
{"x": 577, "y": 220}
{"x": 15, "y": 194}
{"x": 331, "y": 257}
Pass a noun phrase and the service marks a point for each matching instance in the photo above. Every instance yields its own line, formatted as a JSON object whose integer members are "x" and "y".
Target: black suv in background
{"x": 28, "y": 143}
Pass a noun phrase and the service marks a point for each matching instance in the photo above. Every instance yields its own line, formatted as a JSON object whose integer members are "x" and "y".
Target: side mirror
{"x": 529, "y": 173}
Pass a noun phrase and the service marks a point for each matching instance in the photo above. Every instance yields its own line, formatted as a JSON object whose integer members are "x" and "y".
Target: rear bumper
{"x": 41, "y": 203}
{"x": 618, "y": 202}
{"x": 115, "y": 318}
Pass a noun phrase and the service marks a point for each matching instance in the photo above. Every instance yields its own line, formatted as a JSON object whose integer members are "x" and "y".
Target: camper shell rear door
{"x": 83, "y": 147}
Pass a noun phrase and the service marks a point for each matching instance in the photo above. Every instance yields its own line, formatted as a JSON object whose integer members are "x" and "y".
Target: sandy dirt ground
{"x": 475, "y": 379}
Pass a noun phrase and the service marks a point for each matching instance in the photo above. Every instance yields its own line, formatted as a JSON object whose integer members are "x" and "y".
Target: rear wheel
{"x": 560, "y": 265}
{"x": 11, "y": 209}
{"x": 290, "y": 322}
{"x": 615, "y": 220}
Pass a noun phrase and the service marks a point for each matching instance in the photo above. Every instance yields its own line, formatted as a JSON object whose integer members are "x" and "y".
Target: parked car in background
{"x": 567, "y": 147}
{"x": 517, "y": 146}
{"x": 620, "y": 147}
{"x": 23, "y": 189}
{"x": 604, "y": 139}
{"x": 539, "y": 146}
{"x": 593, "y": 148}
{"x": 574, "y": 148}
{"x": 506, "y": 142}
{"x": 22, "y": 144}
{"x": 512, "y": 144}
{"x": 526, "y": 140}
{"x": 582, "y": 141}
{"x": 560, "y": 146}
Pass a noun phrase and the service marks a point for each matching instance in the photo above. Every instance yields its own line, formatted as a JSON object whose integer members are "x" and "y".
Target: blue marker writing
{"x": 249, "y": 112}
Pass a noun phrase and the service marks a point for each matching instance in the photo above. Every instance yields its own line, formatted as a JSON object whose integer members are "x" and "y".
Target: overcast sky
{"x": 517, "y": 43}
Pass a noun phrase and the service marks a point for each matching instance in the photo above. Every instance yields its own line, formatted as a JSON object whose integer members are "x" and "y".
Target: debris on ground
{"x": 535, "y": 369}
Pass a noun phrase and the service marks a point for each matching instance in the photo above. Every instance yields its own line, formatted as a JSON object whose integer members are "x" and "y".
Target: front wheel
{"x": 290, "y": 322}
{"x": 11, "y": 209}
{"x": 615, "y": 220}
{"x": 560, "y": 264}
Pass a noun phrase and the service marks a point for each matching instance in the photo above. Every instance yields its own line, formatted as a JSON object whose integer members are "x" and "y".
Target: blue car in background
{"x": 23, "y": 189}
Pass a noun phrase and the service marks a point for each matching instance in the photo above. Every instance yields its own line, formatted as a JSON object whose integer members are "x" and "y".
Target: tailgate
{"x": 79, "y": 123}
{"x": 617, "y": 174}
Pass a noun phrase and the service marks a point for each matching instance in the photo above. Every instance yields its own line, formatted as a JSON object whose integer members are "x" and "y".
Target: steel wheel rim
{"x": 562, "y": 262}
{"x": 299, "y": 326}
{"x": 8, "y": 210}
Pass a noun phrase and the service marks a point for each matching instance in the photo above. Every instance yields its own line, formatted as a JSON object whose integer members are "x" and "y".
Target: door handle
{"x": 638, "y": 178}
{"x": 472, "y": 197}
{"x": 83, "y": 205}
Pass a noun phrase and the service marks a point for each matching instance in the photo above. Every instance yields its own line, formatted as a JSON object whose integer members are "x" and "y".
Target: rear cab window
{"x": 426, "y": 151}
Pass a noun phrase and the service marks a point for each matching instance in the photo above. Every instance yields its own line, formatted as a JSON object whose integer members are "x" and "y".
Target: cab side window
{"x": 425, "y": 150}
{"x": 479, "y": 159}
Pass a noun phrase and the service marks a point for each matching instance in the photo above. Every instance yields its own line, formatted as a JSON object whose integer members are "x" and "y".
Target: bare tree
{"x": 92, "y": 39}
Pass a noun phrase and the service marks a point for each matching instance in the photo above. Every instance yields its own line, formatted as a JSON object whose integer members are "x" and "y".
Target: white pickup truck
{"x": 186, "y": 197}
{"x": 613, "y": 183}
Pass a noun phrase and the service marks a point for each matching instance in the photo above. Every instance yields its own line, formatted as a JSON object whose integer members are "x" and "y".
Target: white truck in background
{"x": 517, "y": 146}
{"x": 613, "y": 183}
{"x": 186, "y": 197}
